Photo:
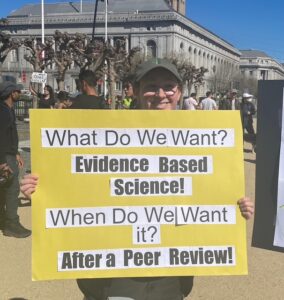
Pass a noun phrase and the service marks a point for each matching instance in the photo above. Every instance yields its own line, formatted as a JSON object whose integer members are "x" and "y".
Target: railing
{"x": 22, "y": 108}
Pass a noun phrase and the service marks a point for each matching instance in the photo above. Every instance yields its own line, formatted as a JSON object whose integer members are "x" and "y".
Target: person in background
{"x": 129, "y": 95}
{"x": 208, "y": 103}
{"x": 231, "y": 102}
{"x": 157, "y": 86}
{"x": 89, "y": 98}
{"x": 190, "y": 103}
{"x": 63, "y": 100}
{"x": 118, "y": 102}
{"x": 248, "y": 110}
{"x": 46, "y": 100}
{"x": 10, "y": 162}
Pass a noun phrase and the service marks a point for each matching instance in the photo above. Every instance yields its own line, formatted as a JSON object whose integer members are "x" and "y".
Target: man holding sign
{"x": 158, "y": 86}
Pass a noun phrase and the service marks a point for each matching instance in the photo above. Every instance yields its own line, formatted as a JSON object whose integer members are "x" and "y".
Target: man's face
{"x": 233, "y": 96}
{"x": 128, "y": 90}
{"x": 16, "y": 95}
{"x": 45, "y": 91}
{"x": 159, "y": 89}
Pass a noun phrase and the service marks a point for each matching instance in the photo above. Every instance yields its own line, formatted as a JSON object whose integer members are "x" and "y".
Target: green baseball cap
{"x": 155, "y": 63}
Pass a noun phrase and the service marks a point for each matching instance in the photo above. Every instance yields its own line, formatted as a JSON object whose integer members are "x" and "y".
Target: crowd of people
{"x": 86, "y": 90}
{"x": 230, "y": 101}
{"x": 157, "y": 86}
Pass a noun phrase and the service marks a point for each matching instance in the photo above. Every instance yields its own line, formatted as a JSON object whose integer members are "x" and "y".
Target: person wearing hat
{"x": 157, "y": 85}
{"x": 247, "y": 111}
{"x": 10, "y": 158}
{"x": 231, "y": 102}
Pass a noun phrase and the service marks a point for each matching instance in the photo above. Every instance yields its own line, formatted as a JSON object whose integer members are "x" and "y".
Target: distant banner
{"x": 279, "y": 226}
{"x": 125, "y": 193}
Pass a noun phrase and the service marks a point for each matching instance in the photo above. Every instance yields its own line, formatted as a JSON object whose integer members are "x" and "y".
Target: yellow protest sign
{"x": 137, "y": 193}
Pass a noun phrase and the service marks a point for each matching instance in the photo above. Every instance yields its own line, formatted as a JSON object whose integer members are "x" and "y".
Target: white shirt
{"x": 208, "y": 104}
{"x": 190, "y": 103}
{"x": 233, "y": 104}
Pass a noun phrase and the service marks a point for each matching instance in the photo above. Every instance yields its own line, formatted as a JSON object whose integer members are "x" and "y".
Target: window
{"x": 151, "y": 49}
{"x": 263, "y": 74}
{"x": 14, "y": 55}
{"x": 118, "y": 85}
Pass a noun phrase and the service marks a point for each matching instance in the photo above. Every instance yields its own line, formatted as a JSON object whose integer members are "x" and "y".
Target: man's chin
{"x": 162, "y": 106}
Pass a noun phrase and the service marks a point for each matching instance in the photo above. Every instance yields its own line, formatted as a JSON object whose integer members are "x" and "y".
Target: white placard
{"x": 39, "y": 77}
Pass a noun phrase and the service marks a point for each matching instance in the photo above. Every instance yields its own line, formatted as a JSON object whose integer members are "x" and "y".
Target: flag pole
{"x": 106, "y": 40}
{"x": 42, "y": 36}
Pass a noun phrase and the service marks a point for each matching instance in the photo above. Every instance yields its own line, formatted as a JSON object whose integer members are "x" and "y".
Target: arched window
{"x": 151, "y": 49}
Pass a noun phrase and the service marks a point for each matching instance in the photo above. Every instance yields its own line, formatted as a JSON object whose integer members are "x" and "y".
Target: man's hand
{"x": 28, "y": 184}
{"x": 5, "y": 173}
{"x": 246, "y": 207}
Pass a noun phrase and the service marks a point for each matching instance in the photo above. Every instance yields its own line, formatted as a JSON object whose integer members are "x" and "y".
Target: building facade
{"x": 260, "y": 66}
{"x": 160, "y": 28}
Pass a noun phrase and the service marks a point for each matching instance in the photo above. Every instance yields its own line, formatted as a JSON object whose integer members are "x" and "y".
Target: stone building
{"x": 159, "y": 27}
{"x": 260, "y": 66}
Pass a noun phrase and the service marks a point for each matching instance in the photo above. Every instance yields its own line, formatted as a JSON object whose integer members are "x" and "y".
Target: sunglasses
{"x": 152, "y": 90}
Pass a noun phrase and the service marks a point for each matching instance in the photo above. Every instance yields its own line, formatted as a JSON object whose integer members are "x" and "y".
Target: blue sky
{"x": 247, "y": 24}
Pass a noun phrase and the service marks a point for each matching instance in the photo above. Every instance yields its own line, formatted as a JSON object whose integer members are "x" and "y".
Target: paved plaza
{"x": 265, "y": 279}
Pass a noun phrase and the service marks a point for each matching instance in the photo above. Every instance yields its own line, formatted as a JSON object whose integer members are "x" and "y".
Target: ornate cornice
{"x": 87, "y": 18}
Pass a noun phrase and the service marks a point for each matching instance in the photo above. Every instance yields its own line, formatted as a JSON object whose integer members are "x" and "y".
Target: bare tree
{"x": 247, "y": 84}
{"x": 119, "y": 65}
{"x": 89, "y": 54}
{"x": 37, "y": 54}
{"x": 113, "y": 63}
{"x": 125, "y": 62}
{"x": 223, "y": 79}
{"x": 192, "y": 77}
{"x": 7, "y": 43}
{"x": 62, "y": 55}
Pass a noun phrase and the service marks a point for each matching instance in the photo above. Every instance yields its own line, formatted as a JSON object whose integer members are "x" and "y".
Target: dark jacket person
{"x": 11, "y": 160}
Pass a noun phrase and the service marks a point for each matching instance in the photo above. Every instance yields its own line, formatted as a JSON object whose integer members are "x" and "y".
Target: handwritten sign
{"x": 39, "y": 77}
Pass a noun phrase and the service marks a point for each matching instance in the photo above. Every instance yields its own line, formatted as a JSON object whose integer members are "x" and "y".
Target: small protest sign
{"x": 39, "y": 77}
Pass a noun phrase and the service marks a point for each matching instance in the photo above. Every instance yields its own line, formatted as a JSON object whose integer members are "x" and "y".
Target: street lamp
{"x": 42, "y": 36}
{"x": 105, "y": 84}
{"x": 95, "y": 18}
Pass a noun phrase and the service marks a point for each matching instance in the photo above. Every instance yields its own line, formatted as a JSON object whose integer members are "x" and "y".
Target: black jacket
{"x": 8, "y": 132}
{"x": 87, "y": 102}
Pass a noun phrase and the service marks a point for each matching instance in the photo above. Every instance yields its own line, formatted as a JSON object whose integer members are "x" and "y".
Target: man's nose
{"x": 161, "y": 93}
